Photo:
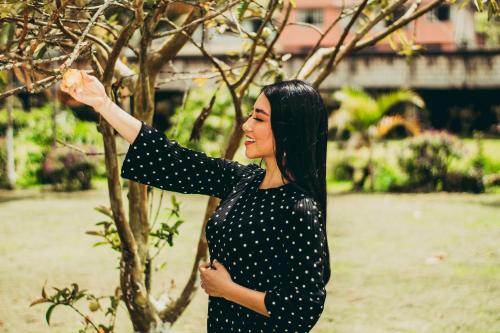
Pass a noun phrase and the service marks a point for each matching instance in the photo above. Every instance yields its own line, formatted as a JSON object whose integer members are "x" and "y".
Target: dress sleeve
{"x": 296, "y": 303}
{"x": 156, "y": 160}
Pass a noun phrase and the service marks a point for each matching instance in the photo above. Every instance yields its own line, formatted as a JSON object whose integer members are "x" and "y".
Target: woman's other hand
{"x": 216, "y": 280}
{"x": 84, "y": 88}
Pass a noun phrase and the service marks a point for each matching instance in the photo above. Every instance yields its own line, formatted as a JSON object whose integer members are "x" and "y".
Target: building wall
{"x": 428, "y": 30}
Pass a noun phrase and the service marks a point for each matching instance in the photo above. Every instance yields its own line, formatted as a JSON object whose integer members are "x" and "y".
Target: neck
{"x": 273, "y": 177}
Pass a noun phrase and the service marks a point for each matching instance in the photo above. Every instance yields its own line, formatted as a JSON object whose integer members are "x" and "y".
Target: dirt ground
{"x": 401, "y": 263}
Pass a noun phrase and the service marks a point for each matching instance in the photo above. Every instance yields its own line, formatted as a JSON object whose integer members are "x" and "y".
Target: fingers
{"x": 83, "y": 75}
{"x": 68, "y": 89}
{"x": 72, "y": 90}
{"x": 204, "y": 265}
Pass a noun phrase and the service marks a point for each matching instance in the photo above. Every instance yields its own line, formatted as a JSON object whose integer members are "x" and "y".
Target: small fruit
{"x": 266, "y": 32}
{"x": 94, "y": 306}
{"x": 71, "y": 77}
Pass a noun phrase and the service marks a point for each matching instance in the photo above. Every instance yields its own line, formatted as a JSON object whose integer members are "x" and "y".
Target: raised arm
{"x": 156, "y": 160}
{"x": 125, "y": 124}
{"x": 153, "y": 158}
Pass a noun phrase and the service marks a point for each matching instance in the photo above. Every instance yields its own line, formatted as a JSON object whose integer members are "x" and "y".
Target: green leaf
{"x": 161, "y": 266}
{"x": 93, "y": 233}
{"x": 479, "y": 5}
{"x": 4, "y": 78}
{"x": 49, "y": 313}
{"x": 104, "y": 223}
{"x": 104, "y": 210}
{"x": 242, "y": 9}
{"x": 40, "y": 51}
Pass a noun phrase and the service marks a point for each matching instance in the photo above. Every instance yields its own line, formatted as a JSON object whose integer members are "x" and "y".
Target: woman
{"x": 267, "y": 238}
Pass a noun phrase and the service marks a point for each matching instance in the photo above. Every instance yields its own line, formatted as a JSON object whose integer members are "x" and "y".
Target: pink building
{"x": 444, "y": 28}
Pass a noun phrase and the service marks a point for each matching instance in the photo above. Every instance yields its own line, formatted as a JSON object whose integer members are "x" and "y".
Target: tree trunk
{"x": 9, "y": 140}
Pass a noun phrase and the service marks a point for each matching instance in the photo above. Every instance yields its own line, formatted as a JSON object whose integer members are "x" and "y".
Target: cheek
{"x": 267, "y": 138}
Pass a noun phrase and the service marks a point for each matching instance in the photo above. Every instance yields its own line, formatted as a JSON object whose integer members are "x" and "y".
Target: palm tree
{"x": 366, "y": 119}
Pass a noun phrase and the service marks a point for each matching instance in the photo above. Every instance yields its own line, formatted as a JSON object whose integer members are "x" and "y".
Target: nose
{"x": 243, "y": 127}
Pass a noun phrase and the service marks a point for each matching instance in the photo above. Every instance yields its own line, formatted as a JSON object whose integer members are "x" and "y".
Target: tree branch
{"x": 171, "y": 47}
{"x": 398, "y": 24}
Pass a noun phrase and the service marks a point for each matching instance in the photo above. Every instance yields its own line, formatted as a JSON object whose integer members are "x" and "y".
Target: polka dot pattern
{"x": 269, "y": 240}
{"x": 155, "y": 160}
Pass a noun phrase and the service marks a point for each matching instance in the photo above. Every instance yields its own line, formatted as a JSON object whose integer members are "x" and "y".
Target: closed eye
{"x": 249, "y": 114}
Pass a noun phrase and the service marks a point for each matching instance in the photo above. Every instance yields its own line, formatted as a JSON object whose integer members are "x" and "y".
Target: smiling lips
{"x": 249, "y": 141}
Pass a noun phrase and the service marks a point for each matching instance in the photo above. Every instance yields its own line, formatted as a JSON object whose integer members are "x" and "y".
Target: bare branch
{"x": 35, "y": 62}
{"x": 207, "y": 74}
{"x": 216, "y": 62}
{"x": 68, "y": 32}
{"x": 309, "y": 25}
{"x": 264, "y": 57}
{"x": 399, "y": 23}
{"x": 70, "y": 60}
{"x": 352, "y": 42}
{"x": 46, "y": 82}
{"x": 195, "y": 22}
{"x": 329, "y": 65}
{"x": 120, "y": 43}
{"x": 267, "y": 18}
{"x": 317, "y": 45}
{"x": 171, "y": 47}
{"x": 80, "y": 150}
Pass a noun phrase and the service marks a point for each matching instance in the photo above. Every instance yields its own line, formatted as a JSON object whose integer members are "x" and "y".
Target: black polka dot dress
{"x": 270, "y": 240}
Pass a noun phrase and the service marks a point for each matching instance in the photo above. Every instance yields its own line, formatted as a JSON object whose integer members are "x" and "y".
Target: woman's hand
{"x": 215, "y": 281}
{"x": 84, "y": 88}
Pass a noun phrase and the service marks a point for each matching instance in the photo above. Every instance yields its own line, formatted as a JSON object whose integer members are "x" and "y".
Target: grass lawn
{"x": 401, "y": 263}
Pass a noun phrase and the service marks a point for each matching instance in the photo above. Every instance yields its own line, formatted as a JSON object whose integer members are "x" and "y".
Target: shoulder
{"x": 301, "y": 209}
{"x": 303, "y": 206}
{"x": 302, "y": 220}
{"x": 245, "y": 171}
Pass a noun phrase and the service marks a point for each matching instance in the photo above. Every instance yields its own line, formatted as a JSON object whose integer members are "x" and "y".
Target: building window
{"x": 440, "y": 14}
{"x": 256, "y": 23}
{"x": 310, "y": 15}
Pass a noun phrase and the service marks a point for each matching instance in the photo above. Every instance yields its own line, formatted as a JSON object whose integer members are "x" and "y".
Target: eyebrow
{"x": 261, "y": 111}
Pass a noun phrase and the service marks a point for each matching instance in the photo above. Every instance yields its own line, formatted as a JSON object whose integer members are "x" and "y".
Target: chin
{"x": 251, "y": 156}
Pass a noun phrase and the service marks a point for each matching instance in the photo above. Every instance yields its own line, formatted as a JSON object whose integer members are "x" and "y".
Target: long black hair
{"x": 299, "y": 122}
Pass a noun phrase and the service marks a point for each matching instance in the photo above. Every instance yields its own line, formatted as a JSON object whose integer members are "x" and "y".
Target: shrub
{"x": 350, "y": 165}
{"x": 388, "y": 178}
{"x": 460, "y": 182}
{"x": 33, "y": 133}
{"x": 426, "y": 160}
{"x": 67, "y": 169}
{"x": 343, "y": 170}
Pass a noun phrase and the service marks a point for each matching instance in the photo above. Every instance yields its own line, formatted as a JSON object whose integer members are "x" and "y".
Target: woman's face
{"x": 258, "y": 127}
